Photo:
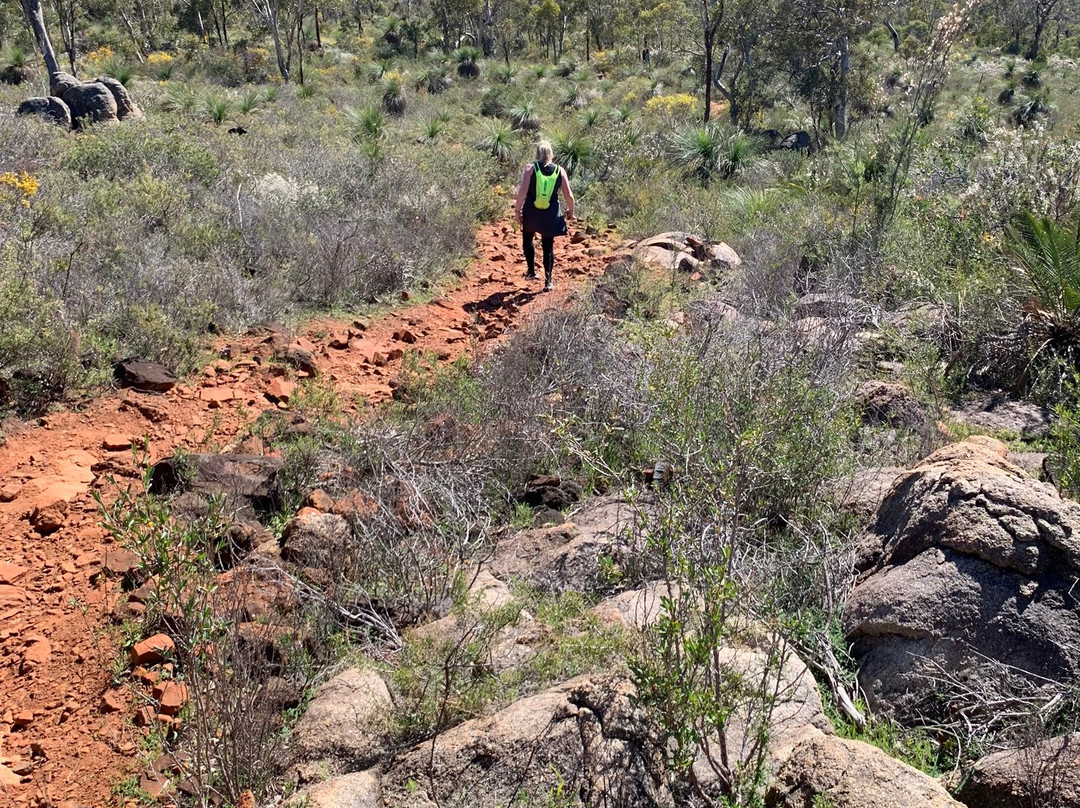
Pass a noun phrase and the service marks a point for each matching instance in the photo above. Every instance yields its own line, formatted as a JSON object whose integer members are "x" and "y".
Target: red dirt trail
{"x": 62, "y": 742}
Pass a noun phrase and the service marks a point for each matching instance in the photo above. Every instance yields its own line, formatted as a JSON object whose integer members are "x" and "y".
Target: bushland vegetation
{"x": 297, "y": 159}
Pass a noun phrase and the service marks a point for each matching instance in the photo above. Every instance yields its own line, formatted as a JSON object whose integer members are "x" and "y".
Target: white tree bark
{"x": 36, "y": 17}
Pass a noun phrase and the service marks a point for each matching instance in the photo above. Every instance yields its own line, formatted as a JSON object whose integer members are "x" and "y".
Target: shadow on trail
{"x": 500, "y": 300}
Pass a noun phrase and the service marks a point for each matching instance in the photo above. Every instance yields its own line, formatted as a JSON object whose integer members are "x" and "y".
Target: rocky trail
{"x": 66, "y": 730}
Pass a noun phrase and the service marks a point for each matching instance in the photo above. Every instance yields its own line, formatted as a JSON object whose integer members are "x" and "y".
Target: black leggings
{"x": 547, "y": 243}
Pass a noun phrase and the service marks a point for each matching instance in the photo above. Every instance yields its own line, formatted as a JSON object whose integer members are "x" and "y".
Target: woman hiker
{"x": 537, "y": 209}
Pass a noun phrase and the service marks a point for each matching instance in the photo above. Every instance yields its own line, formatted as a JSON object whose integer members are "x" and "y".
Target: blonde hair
{"x": 544, "y": 153}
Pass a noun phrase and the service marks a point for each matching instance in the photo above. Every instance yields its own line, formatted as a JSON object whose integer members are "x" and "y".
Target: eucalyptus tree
{"x": 282, "y": 19}
{"x": 35, "y": 16}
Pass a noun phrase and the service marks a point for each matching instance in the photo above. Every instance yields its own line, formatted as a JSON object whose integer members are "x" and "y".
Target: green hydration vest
{"x": 545, "y": 187}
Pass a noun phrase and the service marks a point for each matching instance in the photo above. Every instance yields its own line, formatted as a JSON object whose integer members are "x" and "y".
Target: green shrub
{"x": 39, "y": 353}
{"x": 393, "y": 97}
{"x": 122, "y": 151}
{"x": 499, "y": 142}
{"x": 365, "y": 124}
{"x": 468, "y": 61}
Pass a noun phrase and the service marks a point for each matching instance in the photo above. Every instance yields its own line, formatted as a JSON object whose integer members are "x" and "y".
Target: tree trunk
{"x": 1036, "y": 41}
{"x": 147, "y": 28}
{"x": 840, "y": 110}
{"x": 318, "y": 31}
{"x": 36, "y": 17}
{"x": 65, "y": 13}
{"x": 895, "y": 36}
{"x": 708, "y": 73}
{"x": 135, "y": 39}
{"x": 300, "y": 45}
{"x": 487, "y": 28}
{"x": 275, "y": 34}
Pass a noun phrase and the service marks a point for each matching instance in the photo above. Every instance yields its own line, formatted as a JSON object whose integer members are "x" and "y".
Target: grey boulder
{"x": 50, "y": 109}
{"x": 125, "y": 105}
{"x": 969, "y": 567}
{"x": 1046, "y": 774}
{"x": 91, "y": 103}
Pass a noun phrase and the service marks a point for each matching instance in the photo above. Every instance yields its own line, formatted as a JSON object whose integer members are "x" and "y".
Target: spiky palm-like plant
{"x": 1049, "y": 262}
{"x": 707, "y": 150}
{"x": 590, "y": 118}
{"x": 433, "y": 79}
{"x": 468, "y": 61}
{"x": 698, "y": 149}
{"x": 216, "y": 107}
{"x": 1047, "y": 258}
{"x": 117, "y": 68}
{"x": 504, "y": 74}
{"x": 365, "y": 125}
{"x": 524, "y": 116}
{"x": 249, "y": 101}
{"x": 738, "y": 152}
{"x": 499, "y": 142}
{"x": 432, "y": 130}
{"x": 18, "y": 69}
{"x": 393, "y": 97}
{"x": 572, "y": 151}
{"x": 179, "y": 98}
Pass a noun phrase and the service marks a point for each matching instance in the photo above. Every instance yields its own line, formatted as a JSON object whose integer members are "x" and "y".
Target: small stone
{"x": 338, "y": 341}
{"x": 142, "y": 375}
{"x": 355, "y": 505}
{"x": 119, "y": 561}
{"x": 116, "y": 443}
{"x": 36, "y": 654}
{"x": 172, "y": 696}
{"x": 154, "y": 784}
{"x": 360, "y": 325}
{"x": 48, "y": 519}
{"x": 144, "y": 717}
{"x": 302, "y": 359}
{"x": 24, "y": 719}
{"x": 215, "y": 397}
{"x": 8, "y": 778}
{"x": 11, "y": 595}
{"x": 153, "y": 650}
{"x": 112, "y": 701}
{"x": 280, "y": 390}
{"x": 10, "y": 573}
{"x": 406, "y": 336}
{"x": 23, "y": 768}
{"x": 144, "y": 675}
{"x": 320, "y": 501}
{"x": 10, "y": 492}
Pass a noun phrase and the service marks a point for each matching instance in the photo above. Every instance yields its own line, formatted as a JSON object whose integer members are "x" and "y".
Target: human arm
{"x": 523, "y": 191}
{"x": 568, "y": 195}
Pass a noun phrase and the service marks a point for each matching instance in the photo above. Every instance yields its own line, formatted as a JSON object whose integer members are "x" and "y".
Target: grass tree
{"x": 1048, "y": 255}
{"x": 468, "y": 61}
{"x": 572, "y": 151}
{"x": 524, "y": 116}
{"x": 499, "y": 141}
{"x": 393, "y": 97}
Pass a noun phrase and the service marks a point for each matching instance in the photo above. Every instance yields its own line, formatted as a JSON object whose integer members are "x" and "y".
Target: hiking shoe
{"x": 531, "y": 275}
{"x": 548, "y": 286}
